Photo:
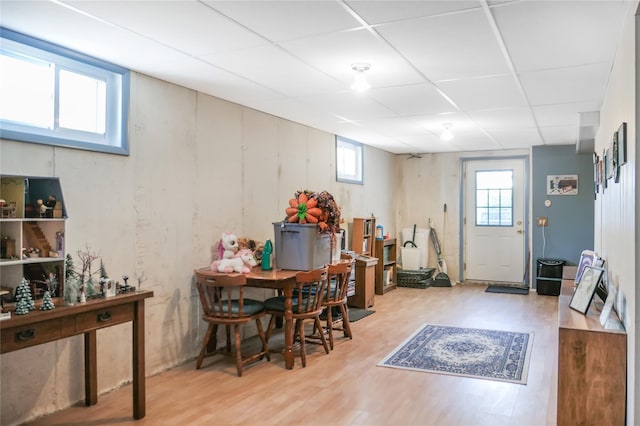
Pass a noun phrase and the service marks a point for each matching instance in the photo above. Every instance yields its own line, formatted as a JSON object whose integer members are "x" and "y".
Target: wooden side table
{"x": 365, "y": 282}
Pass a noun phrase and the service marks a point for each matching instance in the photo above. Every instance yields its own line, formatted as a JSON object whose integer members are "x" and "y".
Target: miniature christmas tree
{"x": 22, "y": 307}
{"x": 24, "y": 301}
{"x": 69, "y": 270}
{"x": 47, "y": 302}
{"x": 103, "y": 271}
{"x": 90, "y": 288}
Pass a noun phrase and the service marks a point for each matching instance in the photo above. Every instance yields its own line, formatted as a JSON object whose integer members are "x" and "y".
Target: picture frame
{"x": 608, "y": 307}
{"x": 587, "y": 258}
{"x": 596, "y": 178}
{"x": 622, "y": 144}
{"x": 562, "y": 184}
{"x": 583, "y": 295}
{"x": 614, "y": 159}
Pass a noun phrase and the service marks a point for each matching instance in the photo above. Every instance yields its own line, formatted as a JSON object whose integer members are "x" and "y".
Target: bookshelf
{"x": 363, "y": 236}
{"x": 386, "y": 267}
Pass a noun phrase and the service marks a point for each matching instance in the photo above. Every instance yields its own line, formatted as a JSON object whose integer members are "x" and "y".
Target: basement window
{"x": 55, "y": 96}
{"x": 349, "y": 161}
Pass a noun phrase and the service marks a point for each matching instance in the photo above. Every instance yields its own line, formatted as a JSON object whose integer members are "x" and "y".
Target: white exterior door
{"x": 494, "y": 220}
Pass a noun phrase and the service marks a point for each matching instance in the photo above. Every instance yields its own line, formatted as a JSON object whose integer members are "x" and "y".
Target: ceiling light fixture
{"x": 360, "y": 83}
{"x": 447, "y": 134}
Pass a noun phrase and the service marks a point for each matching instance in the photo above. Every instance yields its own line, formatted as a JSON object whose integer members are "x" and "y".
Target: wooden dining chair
{"x": 223, "y": 303}
{"x": 336, "y": 297}
{"x": 308, "y": 295}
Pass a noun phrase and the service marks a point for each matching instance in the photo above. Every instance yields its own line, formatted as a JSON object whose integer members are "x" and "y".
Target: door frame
{"x": 527, "y": 224}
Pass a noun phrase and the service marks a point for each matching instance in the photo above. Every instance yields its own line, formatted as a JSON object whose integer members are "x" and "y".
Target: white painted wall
{"x": 198, "y": 166}
{"x": 616, "y": 216}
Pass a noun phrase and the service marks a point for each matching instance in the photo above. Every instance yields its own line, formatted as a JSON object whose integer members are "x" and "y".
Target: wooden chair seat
{"x": 306, "y": 305}
{"x": 223, "y": 303}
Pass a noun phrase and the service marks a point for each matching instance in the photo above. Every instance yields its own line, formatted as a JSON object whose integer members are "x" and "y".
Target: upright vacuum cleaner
{"x": 442, "y": 279}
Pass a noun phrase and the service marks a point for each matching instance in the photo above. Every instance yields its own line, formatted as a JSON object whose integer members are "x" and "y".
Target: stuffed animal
{"x": 242, "y": 263}
{"x": 227, "y": 246}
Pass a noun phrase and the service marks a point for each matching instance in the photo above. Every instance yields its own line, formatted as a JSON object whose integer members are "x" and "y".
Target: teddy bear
{"x": 242, "y": 263}
{"x": 227, "y": 246}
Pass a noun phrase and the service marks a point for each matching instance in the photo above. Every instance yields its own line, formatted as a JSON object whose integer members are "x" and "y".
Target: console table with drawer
{"x": 37, "y": 327}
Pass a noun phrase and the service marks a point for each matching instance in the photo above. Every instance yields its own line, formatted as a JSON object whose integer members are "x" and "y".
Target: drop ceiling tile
{"x": 511, "y": 138}
{"x": 66, "y": 27}
{"x": 566, "y": 85}
{"x": 550, "y": 34}
{"x": 484, "y": 93}
{"x": 188, "y": 26}
{"x": 562, "y": 114}
{"x": 273, "y": 68}
{"x": 375, "y": 12}
{"x": 506, "y": 118}
{"x": 448, "y": 46}
{"x": 287, "y": 20}
{"x": 334, "y": 54}
{"x": 198, "y": 75}
{"x": 397, "y": 127}
{"x": 559, "y": 135}
{"x": 349, "y": 105}
{"x": 412, "y": 100}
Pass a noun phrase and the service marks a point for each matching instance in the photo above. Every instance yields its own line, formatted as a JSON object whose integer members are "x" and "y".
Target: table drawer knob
{"x": 24, "y": 335}
{"x": 104, "y": 316}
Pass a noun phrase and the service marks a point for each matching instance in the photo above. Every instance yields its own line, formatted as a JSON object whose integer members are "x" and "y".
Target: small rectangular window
{"x": 54, "y": 96}
{"x": 349, "y": 161}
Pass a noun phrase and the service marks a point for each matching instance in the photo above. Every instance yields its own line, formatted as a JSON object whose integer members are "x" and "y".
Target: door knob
{"x": 519, "y": 231}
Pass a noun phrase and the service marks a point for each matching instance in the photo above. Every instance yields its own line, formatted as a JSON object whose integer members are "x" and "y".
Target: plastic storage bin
{"x": 300, "y": 247}
{"x": 549, "y": 276}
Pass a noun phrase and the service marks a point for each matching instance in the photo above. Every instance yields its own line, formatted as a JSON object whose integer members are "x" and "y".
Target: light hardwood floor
{"x": 346, "y": 387}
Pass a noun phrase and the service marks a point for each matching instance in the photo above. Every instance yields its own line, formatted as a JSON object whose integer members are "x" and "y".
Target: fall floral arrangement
{"x": 315, "y": 208}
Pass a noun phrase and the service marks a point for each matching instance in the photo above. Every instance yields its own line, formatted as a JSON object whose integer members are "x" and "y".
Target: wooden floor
{"x": 346, "y": 387}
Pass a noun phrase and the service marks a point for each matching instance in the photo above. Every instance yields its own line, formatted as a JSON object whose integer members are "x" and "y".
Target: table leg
{"x": 288, "y": 328}
{"x": 139, "y": 390}
{"x": 90, "y": 368}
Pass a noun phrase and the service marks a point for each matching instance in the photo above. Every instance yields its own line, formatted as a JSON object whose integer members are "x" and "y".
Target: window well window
{"x": 349, "y": 161}
{"x": 54, "y": 96}
{"x": 494, "y": 198}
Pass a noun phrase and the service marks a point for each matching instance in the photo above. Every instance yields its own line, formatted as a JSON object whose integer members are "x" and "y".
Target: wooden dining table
{"x": 279, "y": 279}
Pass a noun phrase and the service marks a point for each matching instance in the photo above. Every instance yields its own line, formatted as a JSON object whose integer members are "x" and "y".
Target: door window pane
{"x": 494, "y": 198}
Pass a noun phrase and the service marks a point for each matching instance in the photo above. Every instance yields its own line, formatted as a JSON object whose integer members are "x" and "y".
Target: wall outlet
{"x": 543, "y": 221}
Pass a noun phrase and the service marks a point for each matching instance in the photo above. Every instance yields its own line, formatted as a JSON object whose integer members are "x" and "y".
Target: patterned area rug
{"x": 469, "y": 352}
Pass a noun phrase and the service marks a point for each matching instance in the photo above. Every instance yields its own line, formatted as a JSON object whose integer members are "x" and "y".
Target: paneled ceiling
{"x": 505, "y": 74}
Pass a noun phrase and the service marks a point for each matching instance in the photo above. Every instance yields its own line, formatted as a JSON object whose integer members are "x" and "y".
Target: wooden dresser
{"x": 592, "y": 365}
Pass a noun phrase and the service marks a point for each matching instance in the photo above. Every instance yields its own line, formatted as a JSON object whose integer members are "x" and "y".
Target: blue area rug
{"x": 469, "y": 352}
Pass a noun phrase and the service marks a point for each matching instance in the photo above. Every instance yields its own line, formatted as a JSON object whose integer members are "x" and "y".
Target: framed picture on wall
{"x": 622, "y": 144}
{"x": 583, "y": 295}
{"x": 614, "y": 159}
{"x": 562, "y": 184}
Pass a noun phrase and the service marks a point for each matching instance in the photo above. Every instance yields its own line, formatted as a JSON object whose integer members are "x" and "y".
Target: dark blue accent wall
{"x": 570, "y": 226}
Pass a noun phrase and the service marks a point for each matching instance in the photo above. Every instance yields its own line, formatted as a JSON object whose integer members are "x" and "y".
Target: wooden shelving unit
{"x": 592, "y": 366}
{"x": 386, "y": 270}
{"x": 363, "y": 236}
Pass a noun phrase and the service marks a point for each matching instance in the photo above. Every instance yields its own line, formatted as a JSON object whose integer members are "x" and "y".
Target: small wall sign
{"x": 562, "y": 184}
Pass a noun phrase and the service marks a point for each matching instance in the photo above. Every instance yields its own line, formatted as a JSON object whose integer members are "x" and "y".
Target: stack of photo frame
{"x": 591, "y": 279}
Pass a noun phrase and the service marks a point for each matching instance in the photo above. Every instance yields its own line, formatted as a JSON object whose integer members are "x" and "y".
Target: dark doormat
{"x": 497, "y": 288}
{"x": 356, "y": 314}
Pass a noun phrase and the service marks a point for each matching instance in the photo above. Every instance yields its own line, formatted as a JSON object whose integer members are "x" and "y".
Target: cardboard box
{"x": 300, "y": 246}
